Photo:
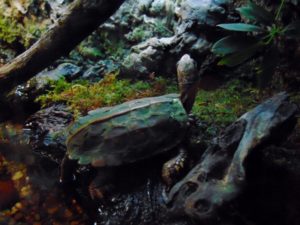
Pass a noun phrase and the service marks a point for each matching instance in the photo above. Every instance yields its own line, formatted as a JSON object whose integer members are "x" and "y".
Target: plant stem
{"x": 279, "y": 9}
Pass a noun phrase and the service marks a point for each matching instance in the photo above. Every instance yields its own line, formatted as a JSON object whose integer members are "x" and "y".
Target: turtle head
{"x": 187, "y": 80}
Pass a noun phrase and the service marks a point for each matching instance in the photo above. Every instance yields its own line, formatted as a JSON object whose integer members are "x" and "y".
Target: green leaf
{"x": 293, "y": 29}
{"x": 256, "y": 13}
{"x": 241, "y": 56}
{"x": 231, "y": 44}
{"x": 269, "y": 64}
{"x": 242, "y": 27}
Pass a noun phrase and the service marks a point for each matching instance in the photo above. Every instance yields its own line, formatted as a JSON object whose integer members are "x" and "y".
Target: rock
{"x": 143, "y": 63}
{"x": 208, "y": 12}
{"x": 219, "y": 178}
{"x": 157, "y": 7}
{"x": 46, "y": 131}
{"x": 145, "y": 57}
{"x": 6, "y": 54}
{"x": 94, "y": 73}
{"x": 155, "y": 55}
{"x": 97, "y": 72}
{"x": 65, "y": 70}
{"x": 144, "y": 5}
{"x": 58, "y": 7}
{"x": 21, "y": 100}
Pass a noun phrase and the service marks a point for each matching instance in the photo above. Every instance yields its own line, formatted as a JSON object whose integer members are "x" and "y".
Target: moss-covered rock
{"x": 22, "y": 22}
{"x": 83, "y": 96}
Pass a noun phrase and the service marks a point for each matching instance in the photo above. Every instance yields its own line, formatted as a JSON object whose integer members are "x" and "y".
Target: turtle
{"x": 110, "y": 137}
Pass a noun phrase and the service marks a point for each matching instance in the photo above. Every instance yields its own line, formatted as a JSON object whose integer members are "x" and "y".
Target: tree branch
{"x": 79, "y": 21}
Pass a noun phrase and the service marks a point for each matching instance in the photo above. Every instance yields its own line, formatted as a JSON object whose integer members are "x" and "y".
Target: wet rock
{"x": 46, "y": 131}
{"x": 97, "y": 72}
{"x": 21, "y": 100}
{"x": 65, "y": 70}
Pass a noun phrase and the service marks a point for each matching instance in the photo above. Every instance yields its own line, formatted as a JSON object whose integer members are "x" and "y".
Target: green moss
{"x": 219, "y": 107}
{"x": 139, "y": 34}
{"x": 9, "y": 30}
{"x": 32, "y": 29}
{"x": 101, "y": 45}
{"x": 90, "y": 52}
{"x": 223, "y": 106}
{"x": 13, "y": 31}
{"x": 146, "y": 31}
{"x": 161, "y": 29}
{"x": 82, "y": 96}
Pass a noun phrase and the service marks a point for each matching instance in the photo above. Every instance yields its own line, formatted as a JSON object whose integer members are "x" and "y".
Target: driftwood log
{"x": 80, "y": 20}
{"x": 220, "y": 176}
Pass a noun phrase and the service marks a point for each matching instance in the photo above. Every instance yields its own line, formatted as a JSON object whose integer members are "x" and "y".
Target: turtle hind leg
{"x": 102, "y": 183}
{"x": 175, "y": 168}
{"x": 67, "y": 170}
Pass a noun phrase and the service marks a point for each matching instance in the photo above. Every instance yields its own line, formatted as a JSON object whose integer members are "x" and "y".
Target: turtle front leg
{"x": 67, "y": 170}
{"x": 102, "y": 183}
{"x": 175, "y": 168}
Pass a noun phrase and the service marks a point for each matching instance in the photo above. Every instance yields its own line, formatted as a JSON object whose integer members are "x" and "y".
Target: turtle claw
{"x": 174, "y": 169}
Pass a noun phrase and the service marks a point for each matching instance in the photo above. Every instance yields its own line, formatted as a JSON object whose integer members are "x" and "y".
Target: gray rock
{"x": 147, "y": 57}
{"x": 158, "y": 7}
{"x": 6, "y": 54}
{"x": 144, "y": 5}
{"x": 98, "y": 71}
{"x": 191, "y": 36}
{"x": 40, "y": 83}
{"x": 203, "y": 12}
{"x": 22, "y": 98}
{"x": 46, "y": 131}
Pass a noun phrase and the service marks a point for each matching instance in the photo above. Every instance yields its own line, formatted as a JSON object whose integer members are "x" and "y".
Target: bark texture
{"x": 80, "y": 20}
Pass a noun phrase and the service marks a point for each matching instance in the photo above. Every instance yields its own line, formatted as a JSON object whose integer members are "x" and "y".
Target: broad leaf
{"x": 241, "y": 56}
{"x": 242, "y": 27}
{"x": 256, "y": 13}
{"x": 293, "y": 29}
{"x": 231, "y": 44}
{"x": 269, "y": 64}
